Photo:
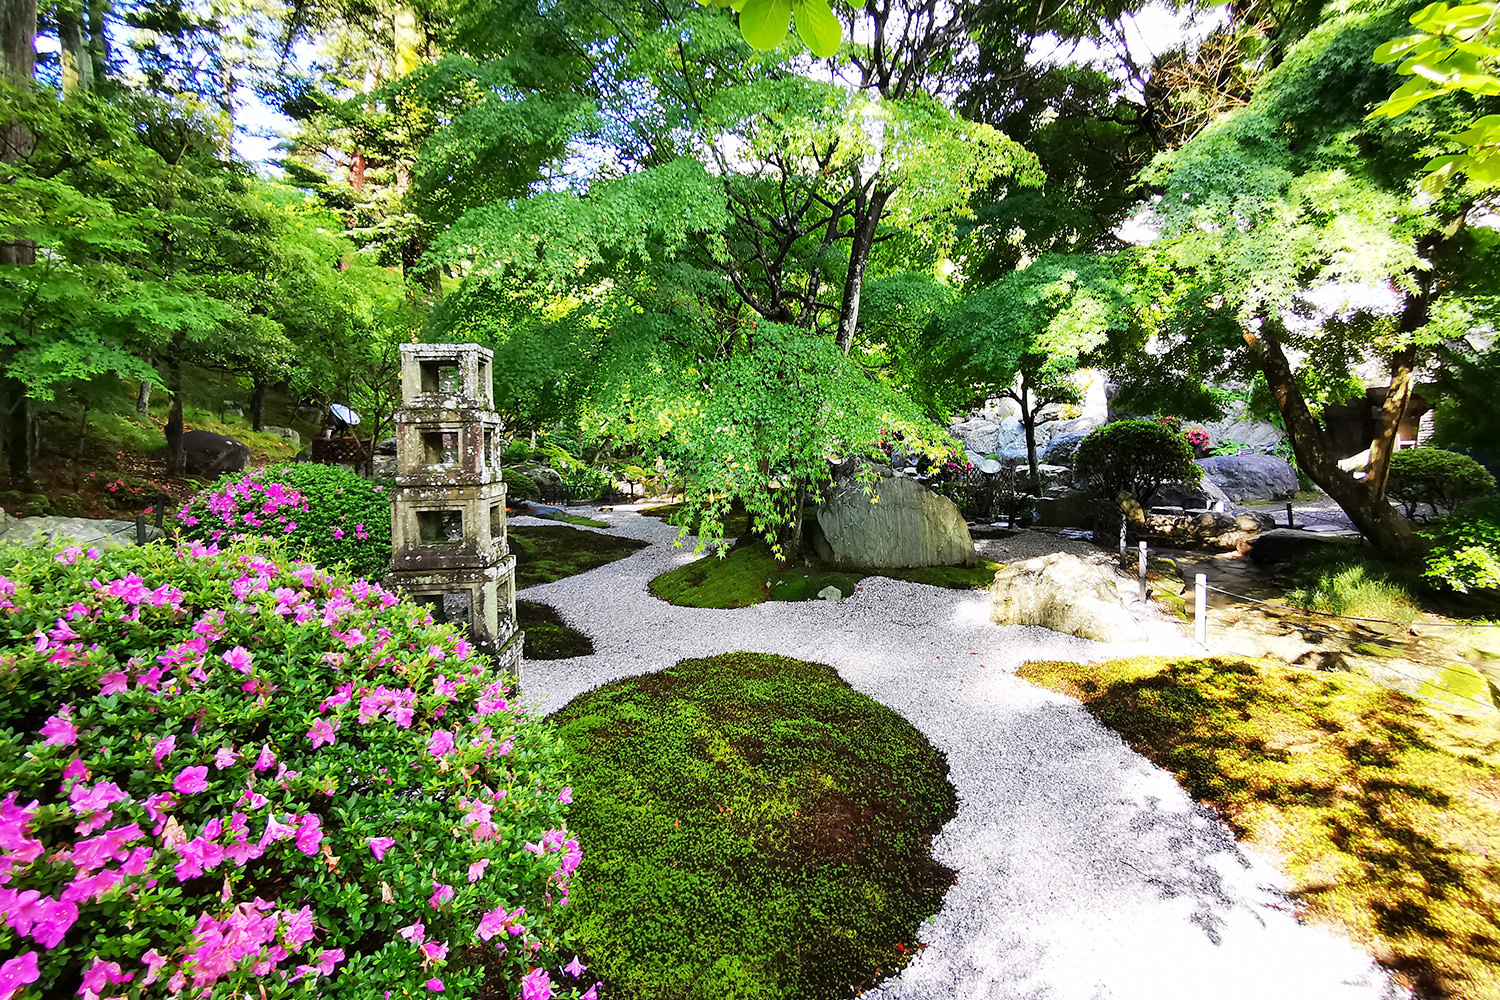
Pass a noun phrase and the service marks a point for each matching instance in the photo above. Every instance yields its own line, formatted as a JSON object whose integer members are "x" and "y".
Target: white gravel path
{"x": 1085, "y": 871}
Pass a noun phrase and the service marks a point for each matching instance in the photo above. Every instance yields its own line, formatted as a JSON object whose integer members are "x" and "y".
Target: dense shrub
{"x": 520, "y": 486}
{"x": 229, "y": 772}
{"x": 1137, "y": 457}
{"x": 585, "y": 482}
{"x": 341, "y": 518}
{"x": 1465, "y": 554}
{"x": 1432, "y": 477}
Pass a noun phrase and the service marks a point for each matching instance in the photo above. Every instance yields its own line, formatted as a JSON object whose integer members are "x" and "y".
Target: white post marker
{"x": 1143, "y": 571}
{"x": 1200, "y": 610}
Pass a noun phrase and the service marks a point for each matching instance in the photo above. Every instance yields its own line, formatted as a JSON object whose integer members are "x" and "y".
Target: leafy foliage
{"x": 1353, "y": 584}
{"x": 1465, "y": 554}
{"x": 343, "y": 519}
{"x": 269, "y": 774}
{"x": 776, "y": 841}
{"x": 1453, "y": 51}
{"x": 1437, "y": 479}
{"x": 1136, "y": 457}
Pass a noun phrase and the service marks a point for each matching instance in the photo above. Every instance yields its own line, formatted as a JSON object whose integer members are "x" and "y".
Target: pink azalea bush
{"x": 340, "y": 518}
{"x": 229, "y": 773}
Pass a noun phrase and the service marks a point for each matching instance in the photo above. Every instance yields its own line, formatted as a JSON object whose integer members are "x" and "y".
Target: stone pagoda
{"x": 448, "y": 545}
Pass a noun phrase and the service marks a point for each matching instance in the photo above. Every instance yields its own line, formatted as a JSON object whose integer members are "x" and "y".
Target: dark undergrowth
{"x": 748, "y": 574}
{"x": 1384, "y": 811}
{"x": 547, "y": 636}
{"x": 756, "y": 829}
{"x": 545, "y": 553}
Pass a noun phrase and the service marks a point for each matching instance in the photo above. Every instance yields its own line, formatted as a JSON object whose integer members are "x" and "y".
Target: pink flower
{"x": 592, "y": 994}
{"x": 16, "y": 973}
{"x": 310, "y": 834}
{"x": 476, "y": 870}
{"x": 114, "y": 682}
{"x": 153, "y": 960}
{"x": 440, "y": 743}
{"x": 321, "y": 734}
{"x": 159, "y": 804}
{"x": 536, "y": 986}
{"x": 101, "y": 973}
{"x": 239, "y": 658}
{"x": 415, "y": 933}
{"x": 162, "y": 748}
{"x": 266, "y": 759}
{"x": 440, "y": 894}
{"x": 575, "y": 968}
{"x": 225, "y": 757}
{"x": 434, "y": 950}
{"x": 379, "y": 845}
{"x": 435, "y": 984}
{"x": 59, "y": 729}
{"x": 339, "y": 533}
{"x": 566, "y": 796}
{"x": 191, "y": 780}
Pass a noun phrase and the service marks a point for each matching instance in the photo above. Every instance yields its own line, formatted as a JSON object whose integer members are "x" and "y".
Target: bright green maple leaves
{"x": 764, "y": 23}
{"x": 1454, "y": 49}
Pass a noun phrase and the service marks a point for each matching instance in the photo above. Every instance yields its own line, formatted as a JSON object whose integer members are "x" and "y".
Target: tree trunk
{"x": 17, "y": 35}
{"x": 15, "y": 430}
{"x": 258, "y": 405}
{"x": 1028, "y": 424}
{"x": 77, "y": 61}
{"x": 1384, "y": 444}
{"x": 143, "y": 397}
{"x": 98, "y": 41}
{"x": 1374, "y": 518}
{"x": 866, "y": 224}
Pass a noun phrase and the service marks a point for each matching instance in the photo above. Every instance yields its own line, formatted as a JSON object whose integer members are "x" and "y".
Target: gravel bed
{"x": 1084, "y": 871}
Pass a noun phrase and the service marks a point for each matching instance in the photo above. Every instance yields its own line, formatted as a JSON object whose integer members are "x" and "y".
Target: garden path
{"x": 1084, "y": 871}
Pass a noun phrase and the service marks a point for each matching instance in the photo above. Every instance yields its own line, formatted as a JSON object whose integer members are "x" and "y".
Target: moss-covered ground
{"x": 545, "y": 553}
{"x": 756, "y": 829}
{"x": 736, "y": 524}
{"x": 548, "y": 637}
{"x": 748, "y": 574}
{"x": 1384, "y": 811}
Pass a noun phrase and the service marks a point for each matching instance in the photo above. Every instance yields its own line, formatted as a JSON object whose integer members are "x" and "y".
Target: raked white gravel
{"x": 1085, "y": 872}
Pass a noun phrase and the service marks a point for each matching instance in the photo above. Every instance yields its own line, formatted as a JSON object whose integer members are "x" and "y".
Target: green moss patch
{"x": 581, "y": 521}
{"x": 748, "y": 574}
{"x": 756, "y": 829}
{"x": 736, "y": 524}
{"x": 547, "y": 637}
{"x": 1384, "y": 811}
{"x": 545, "y": 553}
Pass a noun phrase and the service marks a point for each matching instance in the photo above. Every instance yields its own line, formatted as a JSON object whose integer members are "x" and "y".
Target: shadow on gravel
{"x": 1385, "y": 813}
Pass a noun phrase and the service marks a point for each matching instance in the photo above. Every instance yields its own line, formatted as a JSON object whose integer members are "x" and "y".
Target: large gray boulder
{"x": 210, "y": 454}
{"x": 79, "y": 530}
{"x": 904, "y": 524}
{"x": 1076, "y": 595}
{"x": 1200, "y": 497}
{"x": 1250, "y": 476}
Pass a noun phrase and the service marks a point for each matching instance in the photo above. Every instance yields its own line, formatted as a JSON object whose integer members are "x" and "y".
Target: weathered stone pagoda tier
{"x": 448, "y": 547}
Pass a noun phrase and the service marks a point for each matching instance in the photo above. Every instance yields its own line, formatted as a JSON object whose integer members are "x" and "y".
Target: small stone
{"x": 831, "y": 593}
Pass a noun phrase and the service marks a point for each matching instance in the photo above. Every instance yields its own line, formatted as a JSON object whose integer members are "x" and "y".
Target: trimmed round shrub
{"x": 1465, "y": 554}
{"x": 1432, "y": 477}
{"x": 1137, "y": 457}
{"x": 520, "y": 486}
{"x": 229, "y": 773}
{"x": 341, "y": 518}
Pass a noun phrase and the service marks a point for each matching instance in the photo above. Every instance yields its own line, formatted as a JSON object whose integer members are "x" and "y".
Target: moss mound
{"x": 547, "y": 636}
{"x": 748, "y": 574}
{"x": 757, "y": 829}
{"x": 1384, "y": 811}
{"x": 546, "y": 553}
